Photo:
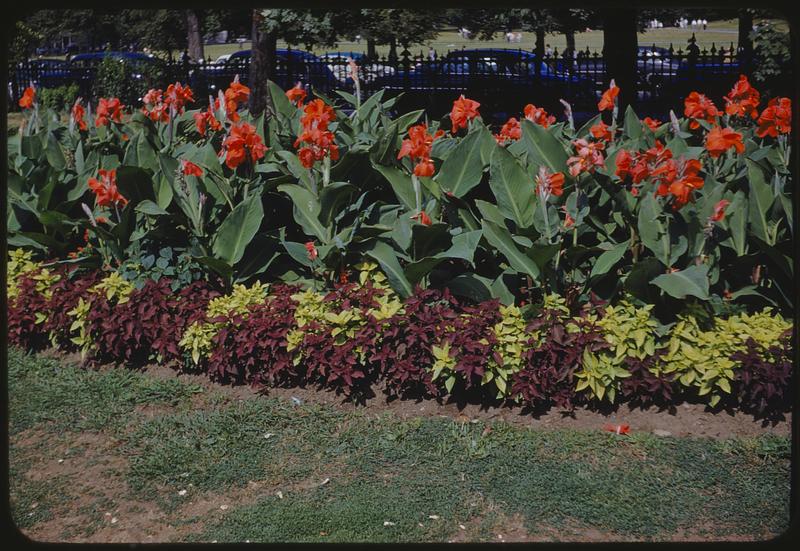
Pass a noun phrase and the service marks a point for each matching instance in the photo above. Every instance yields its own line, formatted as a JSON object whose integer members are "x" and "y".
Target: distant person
{"x": 358, "y": 39}
{"x": 694, "y": 23}
{"x": 518, "y": 37}
{"x": 431, "y": 53}
{"x": 185, "y": 57}
{"x": 705, "y": 24}
{"x": 660, "y": 25}
{"x": 548, "y": 50}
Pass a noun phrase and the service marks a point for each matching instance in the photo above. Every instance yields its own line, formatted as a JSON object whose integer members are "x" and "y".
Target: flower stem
{"x": 417, "y": 192}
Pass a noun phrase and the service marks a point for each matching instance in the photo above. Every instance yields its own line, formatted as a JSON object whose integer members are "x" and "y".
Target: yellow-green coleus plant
{"x": 197, "y": 340}
{"x": 701, "y": 359}
{"x": 113, "y": 288}
{"x": 20, "y": 263}
{"x": 630, "y": 331}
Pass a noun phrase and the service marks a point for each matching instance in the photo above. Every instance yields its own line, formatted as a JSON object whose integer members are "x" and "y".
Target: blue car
{"x": 502, "y": 80}
{"x": 292, "y": 66}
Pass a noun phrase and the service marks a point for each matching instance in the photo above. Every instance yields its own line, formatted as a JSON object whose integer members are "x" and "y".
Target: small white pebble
{"x": 268, "y": 435}
{"x": 279, "y": 494}
{"x": 247, "y": 541}
{"x": 500, "y": 536}
{"x": 223, "y": 507}
{"x": 387, "y": 523}
{"x": 184, "y": 475}
{"x": 113, "y": 520}
{"x": 213, "y": 541}
{"x": 182, "y": 493}
{"x": 34, "y": 505}
{"x": 434, "y": 517}
{"x": 325, "y": 481}
{"x": 462, "y": 526}
{"x": 108, "y": 514}
{"x": 60, "y": 460}
{"x": 420, "y": 524}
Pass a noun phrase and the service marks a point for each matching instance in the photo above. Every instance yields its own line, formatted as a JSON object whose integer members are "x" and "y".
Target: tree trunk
{"x": 620, "y": 46}
{"x": 262, "y": 67}
{"x": 195, "y": 41}
{"x": 371, "y": 51}
{"x": 540, "y": 44}
{"x": 570, "y": 49}
{"x": 745, "y": 44}
{"x": 539, "y": 50}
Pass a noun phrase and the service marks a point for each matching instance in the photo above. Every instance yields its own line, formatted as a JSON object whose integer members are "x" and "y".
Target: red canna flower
{"x": 236, "y": 94}
{"x": 178, "y": 96}
{"x": 601, "y": 132}
{"x": 306, "y": 156}
{"x": 105, "y": 189}
{"x": 776, "y": 118}
{"x": 101, "y": 219}
{"x": 28, "y": 98}
{"x": 77, "y": 114}
{"x": 312, "y": 250}
{"x": 719, "y": 210}
{"x": 511, "y": 131}
{"x": 317, "y": 114}
{"x": 108, "y": 110}
{"x": 617, "y": 429}
{"x": 424, "y": 168}
{"x": 589, "y": 156}
{"x": 652, "y": 124}
{"x": 418, "y": 148}
{"x": 423, "y": 218}
{"x": 743, "y": 99}
{"x": 687, "y": 181}
{"x": 188, "y": 168}
{"x": 538, "y": 115}
{"x": 568, "y": 220}
{"x": 548, "y": 183}
{"x": 205, "y": 120}
{"x": 242, "y": 140}
{"x": 464, "y": 110}
{"x": 719, "y": 140}
{"x": 698, "y": 107}
{"x": 296, "y": 95}
{"x": 609, "y": 98}
{"x": 154, "y": 106}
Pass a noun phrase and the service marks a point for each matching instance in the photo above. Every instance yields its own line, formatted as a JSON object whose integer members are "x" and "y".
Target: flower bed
{"x": 343, "y": 246}
{"x": 361, "y": 336}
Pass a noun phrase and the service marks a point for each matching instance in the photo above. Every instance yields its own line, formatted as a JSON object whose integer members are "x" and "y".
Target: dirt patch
{"x": 685, "y": 419}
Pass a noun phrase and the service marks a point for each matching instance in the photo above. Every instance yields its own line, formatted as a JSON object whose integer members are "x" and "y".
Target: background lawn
{"x": 721, "y": 33}
{"x": 115, "y": 455}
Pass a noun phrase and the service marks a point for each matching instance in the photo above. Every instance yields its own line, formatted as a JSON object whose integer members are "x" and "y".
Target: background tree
{"x": 306, "y": 27}
{"x": 620, "y": 45}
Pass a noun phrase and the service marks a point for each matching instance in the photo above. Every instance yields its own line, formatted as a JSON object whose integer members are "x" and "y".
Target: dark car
{"x": 43, "y": 73}
{"x": 292, "y": 66}
{"x": 502, "y": 80}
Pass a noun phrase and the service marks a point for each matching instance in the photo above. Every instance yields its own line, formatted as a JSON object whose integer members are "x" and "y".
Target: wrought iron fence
{"x": 502, "y": 80}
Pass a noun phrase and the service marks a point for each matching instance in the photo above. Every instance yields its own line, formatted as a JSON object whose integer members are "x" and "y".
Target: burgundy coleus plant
{"x": 763, "y": 384}
{"x": 255, "y": 350}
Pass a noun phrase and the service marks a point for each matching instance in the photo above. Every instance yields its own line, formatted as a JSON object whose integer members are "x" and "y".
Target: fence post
{"x": 692, "y": 51}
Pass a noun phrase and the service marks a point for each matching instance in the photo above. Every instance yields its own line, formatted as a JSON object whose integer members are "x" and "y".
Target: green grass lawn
{"x": 211, "y": 467}
{"x": 720, "y": 33}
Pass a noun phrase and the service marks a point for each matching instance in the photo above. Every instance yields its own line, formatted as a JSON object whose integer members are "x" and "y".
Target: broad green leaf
{"x": 632, "y": 126}
{"x": 387, "y": 259}
{"x": 652, "y": 230}
{"x": 151, "y": 208}
{"x": 760, "y": 201}
{"x": 237, "y": 230}
{"x": 401, "y": 184}
{"x": 463, "y": 168}
{"x": 691, "y": 281}
{"x": 500, "y": 238}
{"x": 609, "y": 259}
{"x": 512, "y": 188}
{"x": 543, "y": 147}
{"x": 306, "y": 211}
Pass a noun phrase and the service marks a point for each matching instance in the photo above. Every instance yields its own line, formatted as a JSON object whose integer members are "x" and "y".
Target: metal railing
{"x": 502, "y": 80}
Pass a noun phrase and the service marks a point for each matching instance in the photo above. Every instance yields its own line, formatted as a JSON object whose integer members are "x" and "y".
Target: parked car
{"x": 292, "y": 66}
{"x": 44, "y": 73}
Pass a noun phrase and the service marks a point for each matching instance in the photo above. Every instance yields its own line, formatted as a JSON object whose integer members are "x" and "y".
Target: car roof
{"x": 496, "y": 51}
{"x": 282, "y": 51}
{"x": 354, "y": 55}
{"x": 100, "y": 55}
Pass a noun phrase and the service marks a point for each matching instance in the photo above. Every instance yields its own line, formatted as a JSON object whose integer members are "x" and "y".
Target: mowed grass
{"x": 328, "y": 475}
{"x": 719, "y": 33}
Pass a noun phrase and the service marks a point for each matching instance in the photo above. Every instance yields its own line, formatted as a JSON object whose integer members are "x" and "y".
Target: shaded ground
{"x": 117, "y": 456}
